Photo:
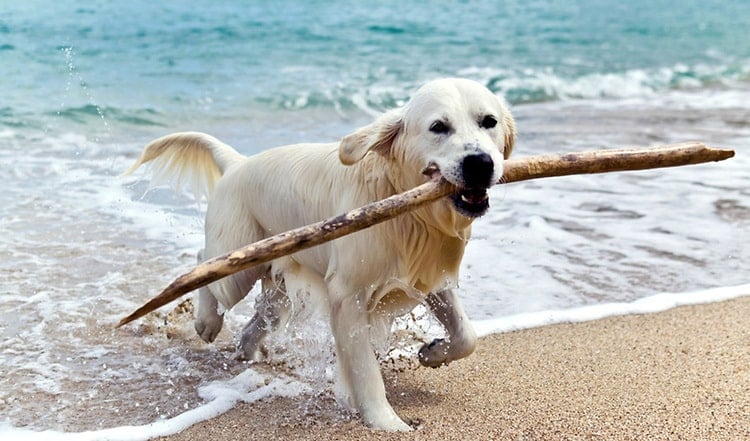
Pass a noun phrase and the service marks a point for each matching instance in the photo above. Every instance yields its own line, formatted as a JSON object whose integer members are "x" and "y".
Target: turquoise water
{"x": 164, "y": 63}
{"x": 85, "y": 85}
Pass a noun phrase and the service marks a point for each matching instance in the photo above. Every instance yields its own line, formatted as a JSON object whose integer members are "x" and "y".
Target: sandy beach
{"x": 679, "y": 374}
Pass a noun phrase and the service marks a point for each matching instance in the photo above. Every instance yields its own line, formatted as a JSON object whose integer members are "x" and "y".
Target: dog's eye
{"x": 439, "y": 127}
{"x": 488, "y": 122}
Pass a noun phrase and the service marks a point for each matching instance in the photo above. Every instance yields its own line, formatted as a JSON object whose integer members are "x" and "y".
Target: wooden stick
{"x": 515, "y": 170}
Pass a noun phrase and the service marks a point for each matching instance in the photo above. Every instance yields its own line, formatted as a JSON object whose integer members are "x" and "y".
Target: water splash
{"x": 76, "y": 81}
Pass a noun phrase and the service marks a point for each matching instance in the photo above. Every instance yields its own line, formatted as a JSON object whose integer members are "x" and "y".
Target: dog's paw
{"x": 387, "y": 421}
{"x": 251, "y": 351}
{"x": 208, "y": 327}
{"x": 435, "y": 353}
{"x": 441, "y": 352}
{"x": 395, "y": 426}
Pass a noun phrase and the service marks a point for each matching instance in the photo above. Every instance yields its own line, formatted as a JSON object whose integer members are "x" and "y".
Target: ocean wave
{"x": 83, "y": 114}
{"x": 384, "y": 89}
{"x": 86, "y": 115}
{"x": 520, "y": 86}
{"x": 538, "y": 85}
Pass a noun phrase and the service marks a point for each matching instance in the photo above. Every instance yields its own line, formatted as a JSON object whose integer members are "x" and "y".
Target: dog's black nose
{"x": 477, "y": 170}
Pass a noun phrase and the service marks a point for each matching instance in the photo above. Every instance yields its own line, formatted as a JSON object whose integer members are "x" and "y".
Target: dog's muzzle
{"x": 477, "y": 171}
{"x": 476, "y": 176}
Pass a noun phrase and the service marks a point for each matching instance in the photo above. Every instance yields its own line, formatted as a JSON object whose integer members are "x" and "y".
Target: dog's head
{"x": 454, "y": 127}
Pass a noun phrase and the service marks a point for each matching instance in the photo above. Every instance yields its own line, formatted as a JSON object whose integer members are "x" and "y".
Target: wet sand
{"x": 680, "y": 374}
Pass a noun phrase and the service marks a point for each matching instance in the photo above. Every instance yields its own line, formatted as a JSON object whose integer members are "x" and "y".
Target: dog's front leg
{"x": 358, "y": 366}
{"x": 272, "y": 308}
{"x": 461, "y": 339}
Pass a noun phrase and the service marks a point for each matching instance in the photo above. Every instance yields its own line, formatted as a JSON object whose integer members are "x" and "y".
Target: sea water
{"x": 85, "y": 85}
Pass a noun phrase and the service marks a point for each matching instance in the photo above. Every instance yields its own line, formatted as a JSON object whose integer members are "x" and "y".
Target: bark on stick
{"x": 515, "y": 170}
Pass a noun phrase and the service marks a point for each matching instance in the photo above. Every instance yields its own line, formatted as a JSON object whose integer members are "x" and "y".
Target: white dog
{"x": 451, "y": 127}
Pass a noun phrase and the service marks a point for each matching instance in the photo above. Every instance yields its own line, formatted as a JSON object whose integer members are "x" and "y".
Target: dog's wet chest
{"x": 429, "y": 260}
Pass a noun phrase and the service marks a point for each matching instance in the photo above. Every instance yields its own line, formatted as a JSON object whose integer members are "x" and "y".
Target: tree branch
{"x": 515, "y": 170}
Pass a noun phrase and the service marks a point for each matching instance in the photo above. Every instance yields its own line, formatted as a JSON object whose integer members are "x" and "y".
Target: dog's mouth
{"x": 469, "y": 202}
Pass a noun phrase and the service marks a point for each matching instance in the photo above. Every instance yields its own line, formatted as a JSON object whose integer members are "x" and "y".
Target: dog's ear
{"x": 377, "y": 136}
{"x": 509, "y": 130}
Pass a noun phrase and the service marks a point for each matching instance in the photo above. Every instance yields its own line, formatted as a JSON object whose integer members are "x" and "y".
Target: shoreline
{"x": 679, "y": 374}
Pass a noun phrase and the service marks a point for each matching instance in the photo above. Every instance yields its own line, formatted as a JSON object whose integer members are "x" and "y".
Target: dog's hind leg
{"x": 461, "y": 340}
{"x": 224, "y": 293}
{"x": 208, "y": 321}
{"x": 272, "y": 308}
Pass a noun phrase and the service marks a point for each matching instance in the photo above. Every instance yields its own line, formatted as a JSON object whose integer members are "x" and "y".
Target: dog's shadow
{"x": 413, "y": 386}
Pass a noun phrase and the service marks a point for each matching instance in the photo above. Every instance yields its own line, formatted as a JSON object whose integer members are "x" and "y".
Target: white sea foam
{"x": 536, "y": 85}
{"x": 647, "y": 305}
{"x": 247, "y": 387}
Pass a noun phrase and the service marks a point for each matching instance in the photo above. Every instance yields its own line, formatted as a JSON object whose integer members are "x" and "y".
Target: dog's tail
{"x": 192, "y": 158}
